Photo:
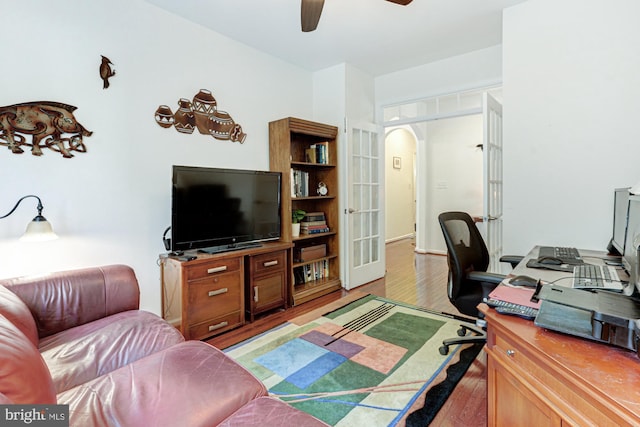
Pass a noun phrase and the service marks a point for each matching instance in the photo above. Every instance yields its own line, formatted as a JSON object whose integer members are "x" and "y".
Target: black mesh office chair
{"x": 469, "y": 281}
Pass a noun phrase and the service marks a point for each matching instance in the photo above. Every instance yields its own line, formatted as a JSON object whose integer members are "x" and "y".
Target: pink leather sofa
{"x": 78, "y": 338}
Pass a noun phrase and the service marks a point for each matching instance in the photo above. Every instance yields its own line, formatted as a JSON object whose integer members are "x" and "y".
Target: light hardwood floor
{"x": 418, "y": 279}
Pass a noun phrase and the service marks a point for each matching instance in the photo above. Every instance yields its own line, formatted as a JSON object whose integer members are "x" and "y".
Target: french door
{"x": 493, "y": 182}
{"x": 364, "y": 205}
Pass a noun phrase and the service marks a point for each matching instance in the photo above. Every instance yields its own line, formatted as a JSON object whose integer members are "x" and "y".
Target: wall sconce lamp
{"x": 39, "y": 229}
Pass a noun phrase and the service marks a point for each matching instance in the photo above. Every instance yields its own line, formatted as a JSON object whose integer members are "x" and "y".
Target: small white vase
{"x": 295, "y": 229}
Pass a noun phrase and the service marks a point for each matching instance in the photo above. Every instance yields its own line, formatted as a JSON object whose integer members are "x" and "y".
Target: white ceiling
{"x": 375, "y": 36}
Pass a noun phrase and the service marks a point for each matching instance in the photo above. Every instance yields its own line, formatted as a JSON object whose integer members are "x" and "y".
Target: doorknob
{"x": 492, "y": 218}
{"x": 351, "y": 210}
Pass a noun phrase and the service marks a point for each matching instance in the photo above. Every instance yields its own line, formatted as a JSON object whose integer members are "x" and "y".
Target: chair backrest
{"x": 466, "y": 250}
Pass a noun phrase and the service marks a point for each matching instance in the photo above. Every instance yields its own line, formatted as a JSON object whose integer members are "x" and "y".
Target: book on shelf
{"x": 310, "y": 155}
{"x": 299, "y": 183}
{"x": 307, "y": 223}
{"x": 313, "y": 216}
{"x": 314, "y": 227}
{"x": 322, "y": 152}
{"x": 311, "y": 272}
{"x": 314, "y": 230}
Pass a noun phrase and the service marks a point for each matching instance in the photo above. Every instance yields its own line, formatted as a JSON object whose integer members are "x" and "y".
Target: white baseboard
{"x": 395, "y": 239}
{"x": 430, "y": 252}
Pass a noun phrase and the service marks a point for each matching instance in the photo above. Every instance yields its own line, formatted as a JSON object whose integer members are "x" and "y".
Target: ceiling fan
{"x": 312, "y": 9}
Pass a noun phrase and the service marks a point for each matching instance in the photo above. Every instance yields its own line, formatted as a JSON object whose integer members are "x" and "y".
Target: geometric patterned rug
{"x": 369, "y": 363}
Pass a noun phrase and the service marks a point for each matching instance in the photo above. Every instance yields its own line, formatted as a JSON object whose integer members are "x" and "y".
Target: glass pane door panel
{"x": 375, "y": 199}
{"x": 356, "y": 197}
{"x": 357, "y": 225}
{"x": 366, "y": 251}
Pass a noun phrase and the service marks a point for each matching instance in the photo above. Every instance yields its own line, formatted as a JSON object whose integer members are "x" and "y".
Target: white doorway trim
{"x": 415, "y": 114}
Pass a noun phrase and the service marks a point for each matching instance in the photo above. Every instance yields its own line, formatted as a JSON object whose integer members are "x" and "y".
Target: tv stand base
{"x": 228, "y": 248}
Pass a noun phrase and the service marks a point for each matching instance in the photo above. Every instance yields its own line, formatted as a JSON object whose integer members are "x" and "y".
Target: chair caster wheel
{"x": 444, "y": 350}
{"x": 462, "y": 331}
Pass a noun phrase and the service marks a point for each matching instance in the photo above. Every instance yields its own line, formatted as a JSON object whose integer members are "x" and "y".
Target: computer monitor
{"x": 632, "y": 241}
{"x": 620, "y": 215}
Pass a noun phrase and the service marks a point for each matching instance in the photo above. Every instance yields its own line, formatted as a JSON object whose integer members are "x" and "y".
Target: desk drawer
{"x": 560, "y": 394}
{"x": 213, "y": 267}
{"x": 273, "y": 261}
{"x": 214, "y": 296}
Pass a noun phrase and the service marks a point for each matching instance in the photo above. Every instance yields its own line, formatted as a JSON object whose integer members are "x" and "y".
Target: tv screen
{"x": 215, "y": 208}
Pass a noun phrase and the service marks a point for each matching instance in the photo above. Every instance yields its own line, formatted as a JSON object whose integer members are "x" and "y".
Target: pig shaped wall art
{"x": 50, "y": 124}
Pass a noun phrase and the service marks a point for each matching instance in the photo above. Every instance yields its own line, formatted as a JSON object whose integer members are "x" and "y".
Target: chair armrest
{"x": 486, "y": 277}
{"x": 488, "y": 281}
{"x": 63, "y": 300}
{"x": 512, "y": 259}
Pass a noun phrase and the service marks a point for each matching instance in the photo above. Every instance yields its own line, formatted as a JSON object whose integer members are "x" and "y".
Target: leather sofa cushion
{"x": 277, "y": 412}
{"x": 17, "y": 312}
{"x": 62, "y": 300}
{"x": 24, "y": 378}
{"x": 80, "y": 354}
{"x": 190, "y": 384}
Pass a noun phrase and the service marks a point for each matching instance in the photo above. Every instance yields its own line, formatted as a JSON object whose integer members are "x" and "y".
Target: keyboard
{"x": 566, "y": 254}
{"x": 588, "y": 276}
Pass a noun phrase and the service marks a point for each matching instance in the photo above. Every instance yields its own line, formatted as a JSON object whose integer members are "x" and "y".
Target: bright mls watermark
{"x": 34, "y": 415}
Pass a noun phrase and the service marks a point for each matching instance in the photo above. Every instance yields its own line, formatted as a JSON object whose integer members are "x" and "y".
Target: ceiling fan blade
{"x": 310, "y": 14}
{"x": 402, "y": 2}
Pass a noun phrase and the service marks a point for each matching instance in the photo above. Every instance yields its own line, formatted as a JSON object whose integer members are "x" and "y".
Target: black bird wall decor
{"x": 106, "y": 72}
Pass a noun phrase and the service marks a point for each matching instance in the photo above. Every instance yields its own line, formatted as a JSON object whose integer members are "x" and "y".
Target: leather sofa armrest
{"x": 62, "y": 300}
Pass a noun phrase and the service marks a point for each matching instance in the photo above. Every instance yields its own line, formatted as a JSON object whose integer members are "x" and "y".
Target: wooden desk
{"x": 543, "y": 378}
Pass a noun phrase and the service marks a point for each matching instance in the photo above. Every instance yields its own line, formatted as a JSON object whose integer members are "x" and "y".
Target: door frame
{"x": 421, "y": 163}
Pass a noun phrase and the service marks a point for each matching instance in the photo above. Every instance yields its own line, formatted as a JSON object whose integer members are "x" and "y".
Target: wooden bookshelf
{"x": 289, "y": 140}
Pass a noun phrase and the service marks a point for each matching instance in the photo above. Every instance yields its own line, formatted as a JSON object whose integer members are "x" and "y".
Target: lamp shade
{"x": 38, "y": 230}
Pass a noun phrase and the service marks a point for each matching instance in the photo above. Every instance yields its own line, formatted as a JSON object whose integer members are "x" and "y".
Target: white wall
{"x": 454, "y": 173}
{"x": 571, "y": 91}
{"x": 399, "y": 202}
{"x": 112, "y": 203}
{"x": 480, "y": 68}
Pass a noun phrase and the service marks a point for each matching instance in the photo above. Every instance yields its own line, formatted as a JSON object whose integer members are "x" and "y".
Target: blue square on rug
{"x": 290, "y": 357}
{"x": 316, "y": 370}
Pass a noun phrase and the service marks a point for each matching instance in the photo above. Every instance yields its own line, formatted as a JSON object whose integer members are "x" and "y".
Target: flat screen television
{"x": 214, "y": 209}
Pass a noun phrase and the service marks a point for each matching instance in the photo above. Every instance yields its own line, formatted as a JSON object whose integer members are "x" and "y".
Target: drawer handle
{"x": 218, "y": 326}
{"x": 255, "y": 294}
{"x": 270, "y": 263}
{"x": 511, "y": 353}
{"x": 217, "y": 269}
{"x": 218, "y": 292}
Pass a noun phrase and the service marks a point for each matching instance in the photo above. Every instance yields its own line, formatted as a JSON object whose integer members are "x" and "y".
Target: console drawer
{"x": 215, "y": 326}
{"x": 213, "y": 267}
{"x": 272, "y": 261}
{"x": 214, "y": 296}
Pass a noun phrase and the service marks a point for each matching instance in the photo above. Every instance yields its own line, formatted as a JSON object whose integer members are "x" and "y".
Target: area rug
{"x": 370, "y": 363}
